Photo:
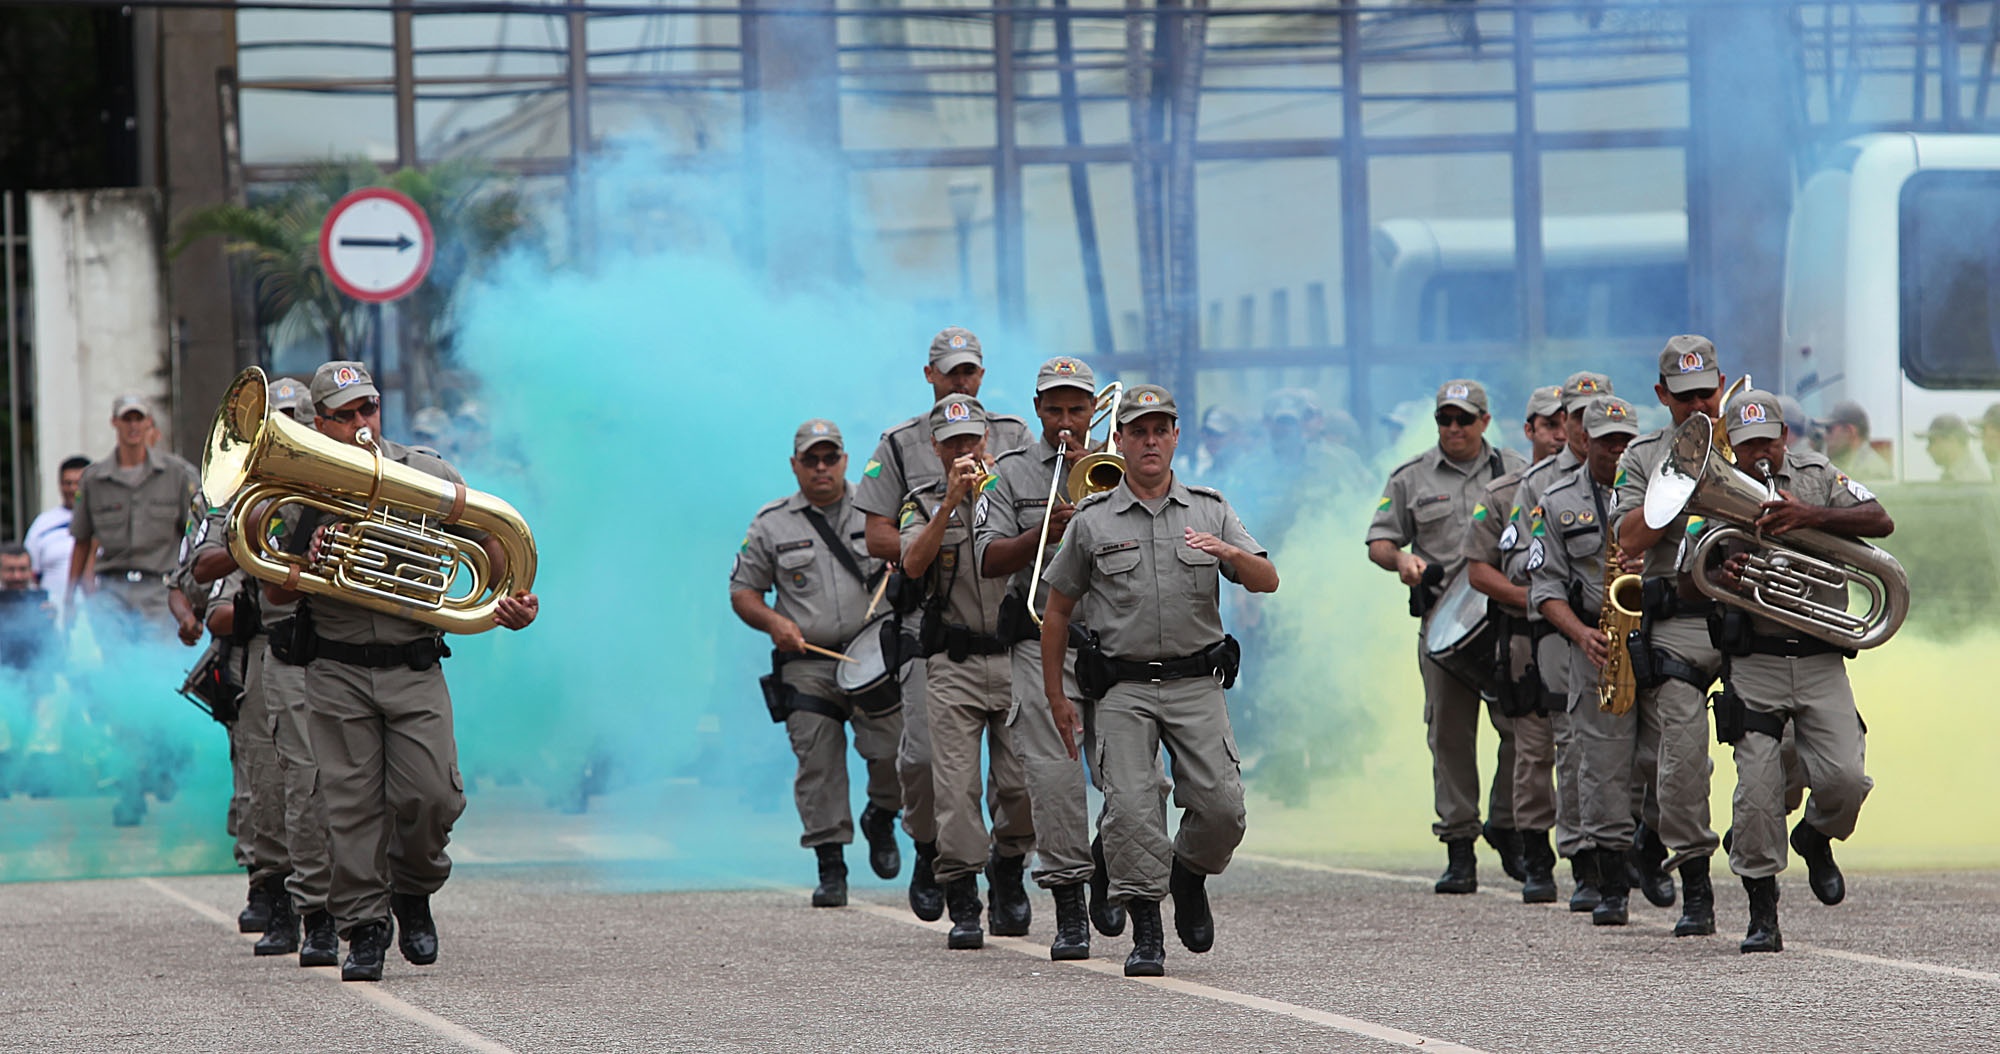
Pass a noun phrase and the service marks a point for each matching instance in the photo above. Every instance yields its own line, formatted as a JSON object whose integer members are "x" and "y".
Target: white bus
{"x": 1892, "y": 289}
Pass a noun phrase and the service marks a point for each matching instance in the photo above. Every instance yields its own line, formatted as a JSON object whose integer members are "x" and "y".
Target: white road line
{"x": 1810, "y": 949}
{"x": 1351, "y": 1025}
{"x": 373, "y": 993}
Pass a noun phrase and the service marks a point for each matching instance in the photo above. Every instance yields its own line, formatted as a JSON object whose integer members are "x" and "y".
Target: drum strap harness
{"x": 840, "y": 552}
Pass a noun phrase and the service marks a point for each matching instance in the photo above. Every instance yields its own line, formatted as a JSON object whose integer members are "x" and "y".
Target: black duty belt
{"x": 959, "y": 643}
{"x": 1794, "y": 648}
{"x": 1683, "y": 608}
{"x": 1197, "y": 665}
{"x": 418, "y": 655}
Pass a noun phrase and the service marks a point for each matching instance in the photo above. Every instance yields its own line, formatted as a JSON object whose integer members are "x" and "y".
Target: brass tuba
{"x": 386, "y": 548}
{"x": 1791, "y": 578}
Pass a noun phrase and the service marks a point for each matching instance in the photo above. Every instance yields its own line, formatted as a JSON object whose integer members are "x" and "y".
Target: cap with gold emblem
{"x": 1688, "y": 364}
{"x": 818, "y": 430}
{"x": 1545, "y": 402}
{"x": 1065, "y": 372}
{"x": 1467, "y": 395}
{"x": 1146, "y": 399}
{"x": 1583, "y": 386}
{"x": 954, "y": 346}
{"x": 957, "y": 415}
{"x": 1609, "y": 415}
{"x": 1753, "y": 414}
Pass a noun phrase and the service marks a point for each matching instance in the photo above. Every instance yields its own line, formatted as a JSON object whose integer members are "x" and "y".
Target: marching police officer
{"x": 1147, "y": 555}
{"x": 904, "y": 461}
{"x": 812, "y": 548}
{"x": 1776, "y": 675}
{"x": 1684, "y": 659}
{"x": 1494, "y": 553}
{"x": 381, "y": 722}
{"x": 1007, "y": 525}
{"x": 1426, "y": 505}
{"x": 969, "y": 684}
{"x": 1565, "y": 564}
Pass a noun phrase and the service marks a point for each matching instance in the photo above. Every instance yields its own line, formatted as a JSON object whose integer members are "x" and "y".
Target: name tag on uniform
{"x": 1433, "y": 499}
{"x": 786, "y": 547}
{"x": 1030, "y": 503}
{"x": 1115, "y": 547}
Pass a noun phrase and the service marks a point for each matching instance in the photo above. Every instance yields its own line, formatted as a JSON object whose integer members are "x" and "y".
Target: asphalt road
{"x": 571, "y": 955}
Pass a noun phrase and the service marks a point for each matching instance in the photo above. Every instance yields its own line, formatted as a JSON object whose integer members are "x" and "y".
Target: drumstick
{"x": 829, "y": 653}
{"x": 880, "y": 587}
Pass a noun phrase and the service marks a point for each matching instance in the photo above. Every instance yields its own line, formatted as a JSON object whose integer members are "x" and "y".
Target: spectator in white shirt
{"x": 48, "y": 539}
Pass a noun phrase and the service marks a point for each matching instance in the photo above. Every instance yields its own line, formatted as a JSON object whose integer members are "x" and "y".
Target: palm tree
{"x": 473, "y": 218}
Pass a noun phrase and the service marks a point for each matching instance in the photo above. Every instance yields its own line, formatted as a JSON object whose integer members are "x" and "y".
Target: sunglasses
{"x": 1695, "y": 396}
{"x": 365, "y": 409}
{"x": 820, "y": 460}
{"x": 1455, "y": 417}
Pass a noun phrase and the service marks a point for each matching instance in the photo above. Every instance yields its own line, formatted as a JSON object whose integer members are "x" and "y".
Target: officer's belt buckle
{"x": 135, "y": 576}
{"x": 1158, "y": 668}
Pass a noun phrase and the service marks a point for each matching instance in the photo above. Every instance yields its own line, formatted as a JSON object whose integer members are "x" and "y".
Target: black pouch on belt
{"x": 1639, "y": 648}
{"x": 777, "y": 697}
{"x": 1226, "y": 658}
{"x": 1729, "y": 710}
{"x": 1016, "y": 624}
{"x": 1093, "y": 674}
{"x": 1729, "y": 630}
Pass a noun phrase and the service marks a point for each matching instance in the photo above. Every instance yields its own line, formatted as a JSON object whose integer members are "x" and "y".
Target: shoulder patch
{"x": 1619, "y": 479}
{"x": 1860, "y": 492}
{"x": 1536, "y": 554}
{"x": 1509, "y": 536}
{"x": 873, "y": 469}
{"x": 1479, "y": 513}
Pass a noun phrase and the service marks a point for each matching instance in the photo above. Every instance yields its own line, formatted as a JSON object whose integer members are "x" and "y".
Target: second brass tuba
{"x": 1791, "y": 578}
{"x": 386, "y": 547}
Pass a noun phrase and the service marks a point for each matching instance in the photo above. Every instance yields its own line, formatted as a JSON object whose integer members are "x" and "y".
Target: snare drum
{"x": 869, "y": 682}
{"x": 1464, "y": 638}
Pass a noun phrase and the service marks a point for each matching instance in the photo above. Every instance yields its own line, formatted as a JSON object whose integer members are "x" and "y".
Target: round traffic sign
{"x": 376, "y": 244}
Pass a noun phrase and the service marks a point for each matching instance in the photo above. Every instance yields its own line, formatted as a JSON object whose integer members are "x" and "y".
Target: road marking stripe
{"x": 373, "y": 993}
{"x": 1351, "y": 1025}
{"x": 1810, "y": 949}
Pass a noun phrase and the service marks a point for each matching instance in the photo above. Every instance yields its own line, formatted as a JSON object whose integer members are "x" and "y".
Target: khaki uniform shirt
{"x": 1635, "y": 472}
{"x": 1429, "y": 500}
{"x": 1566, "y": 543}
{"x": 1492, "y": 537}
{"x": 1014, "y": 507}
{"x": 1154, "y": 596}
{"x": 140, "y": 528}
{"x": 904, "y": 460}
{"x": 970, "y": 599}
{"x": 347, "y": 623}
{"x": 783, "y": 551}
{"x": 1537, "y": 480}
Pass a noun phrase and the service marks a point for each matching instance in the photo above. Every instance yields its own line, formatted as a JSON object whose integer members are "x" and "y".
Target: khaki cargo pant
{"x": 1683, "y": 765}
{"x": 1616, "y": 759}
{"x": 1533, "y": 775}
{"x": 820, "y": 788}
{"x": 1814, "y": 694}
{"x": 284, "y": 691}
{"x": 388, "y": 771}
{"x": 968, "y": 701}
{"x": 913, "y": 755}
{"x": 1451, "y": 720}
{"x": 1190, "y": 718}
{"x": 260, "y": 784}
{"x": 1056, "y": 791}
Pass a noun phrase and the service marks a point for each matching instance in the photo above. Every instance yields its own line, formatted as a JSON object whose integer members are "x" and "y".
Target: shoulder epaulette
{"x": 1650, "y": 437}
{"x": 1561, "y": 484}
{"x": 1407, "y": 465}
{"x": 770, "y": 508}
{"x": 1010, "y": 453}
{"x": 1196, "y": 488}
{"x": 426, "y": 451}
{"x": 1092, "y": 499}
{"x": 893, "y": 429}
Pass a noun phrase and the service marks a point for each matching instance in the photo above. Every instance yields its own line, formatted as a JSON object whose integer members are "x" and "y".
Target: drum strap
{"x": 832, "y": 540}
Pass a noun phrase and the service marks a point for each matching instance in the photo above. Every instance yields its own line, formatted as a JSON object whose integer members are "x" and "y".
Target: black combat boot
{"x": 1011, "y": 912}
{"x": 1538, "y": 863}
{"x": 281, "y": 931}
{"x": 961, "y": 895}
{"x": 1697, "y": 900}
{"x": 1611, "y": 889}
{"x": 416, "y": 933}
{"x": 1645, "y": 857}
{"x": 1105, "y": 914}
{"x": 926, "y": 896}
{"x": 1506, "y": 841}
{"x": 1072, "y": 924}
{"x": 878, "y": 826}
{"x": 1461, "y": 870}
{"x": 832, "y": 889}
{"x": 256, "y": 913}
{"x": 322, "y": 943}
{"x": 367, "y": 946}
{"x": 1763, "y": 935}
{"x": 1193, "y": 921}
{"x": 1583, "y": 869}
{"x": 1822, "y": 874}
{"x": 1149, "y": 940}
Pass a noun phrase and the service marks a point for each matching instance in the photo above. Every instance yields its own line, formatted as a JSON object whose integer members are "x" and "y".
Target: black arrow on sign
{"x": 401, "y": 243}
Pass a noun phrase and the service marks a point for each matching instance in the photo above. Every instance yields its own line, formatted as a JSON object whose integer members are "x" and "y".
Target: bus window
{"x": 1467, "y": 306}
{"x": 1582, "y": 303}
{"x": 1950, "y": 279}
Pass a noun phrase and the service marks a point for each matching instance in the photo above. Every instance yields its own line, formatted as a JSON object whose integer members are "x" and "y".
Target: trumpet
{"x": 1786, "y": 580}
{"x": 1094, "y": 472}
{"x": 386, "y": 548}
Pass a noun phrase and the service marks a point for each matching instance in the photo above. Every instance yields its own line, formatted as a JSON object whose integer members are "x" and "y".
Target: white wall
{"x": 100, "y": 321}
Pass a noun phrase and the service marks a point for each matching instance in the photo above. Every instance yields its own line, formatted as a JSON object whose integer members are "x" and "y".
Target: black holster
{"x": 1227, "y": 658}
{"x": 293, "y": 641}
{"x": 1016, "y": 624}
{"x": 903, "y": 593}
{"x": 1729, "y": 710}
{"x": 1093, "y": 673}
{"x": 1639, "y": 648}
{"x": 782, "y": 699}
{"x": 1519, "y": 696}
{"x": 1729, "y": 630}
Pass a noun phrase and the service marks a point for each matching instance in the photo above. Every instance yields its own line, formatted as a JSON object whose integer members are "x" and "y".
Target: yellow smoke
{"x": 1342, "y": 673}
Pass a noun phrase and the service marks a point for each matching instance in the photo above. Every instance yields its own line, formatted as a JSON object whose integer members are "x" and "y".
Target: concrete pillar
{"x": 801, "y": 172}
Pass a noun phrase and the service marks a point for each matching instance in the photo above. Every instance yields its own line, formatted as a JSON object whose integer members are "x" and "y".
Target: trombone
{"x": 1097, "y": 471}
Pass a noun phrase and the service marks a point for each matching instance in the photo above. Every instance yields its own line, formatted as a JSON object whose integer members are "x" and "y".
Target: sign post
{"x": 376, "y": 245}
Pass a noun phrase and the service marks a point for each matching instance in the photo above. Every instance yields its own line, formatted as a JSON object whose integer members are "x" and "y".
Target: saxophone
{"x": 1617, "y": 687}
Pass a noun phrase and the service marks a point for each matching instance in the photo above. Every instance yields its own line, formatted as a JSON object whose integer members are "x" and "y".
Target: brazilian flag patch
{"x": 1479, "y": 513}
{"x": 989, "y": 483}
{"x": 1383, "y": 505}
{"x": 1619, "y": 479}
{"x": 909, "y": 515}
{"x": 873, "y": 470}
{"x": 1541, "y": 525}
{"x": 745, "y": 547}
{"x": 1514, "y": 514}
{"x": 1694, "y": 525}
